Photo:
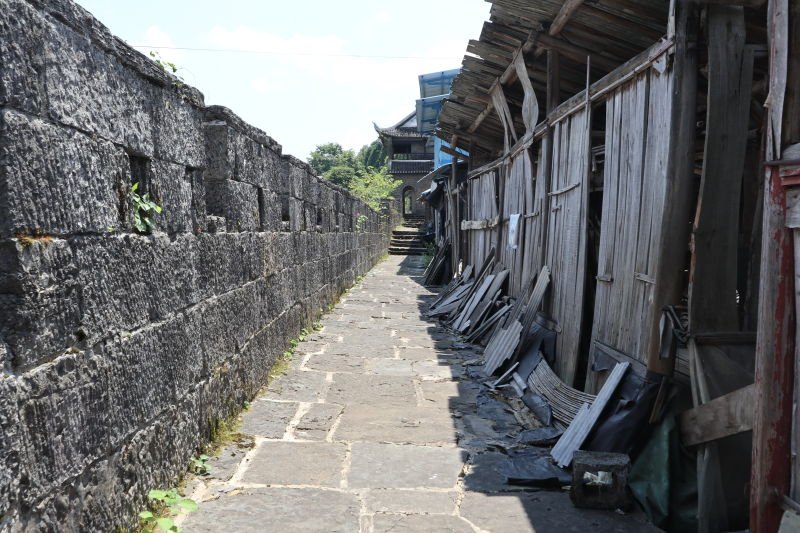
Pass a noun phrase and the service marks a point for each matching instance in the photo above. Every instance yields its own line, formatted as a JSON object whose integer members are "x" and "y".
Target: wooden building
{"x": 410, "y": 158}
{"x": 647, "y": 153}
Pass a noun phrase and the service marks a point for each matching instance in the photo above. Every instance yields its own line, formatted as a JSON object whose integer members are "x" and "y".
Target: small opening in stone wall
{"x": 286, "y": 217}
{"x": 195, "y": 178}
{"x": 140, "y": 173}
{"x": 261, "y": 209}
{"x": 319, "y": 218}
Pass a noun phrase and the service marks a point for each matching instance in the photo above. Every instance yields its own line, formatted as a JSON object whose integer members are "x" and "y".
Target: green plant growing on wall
{"x": 143, "y": 209}
{"x": 361, "y": 222}
{"x": 164, "y": 505}
{"x": 169, "y": 66}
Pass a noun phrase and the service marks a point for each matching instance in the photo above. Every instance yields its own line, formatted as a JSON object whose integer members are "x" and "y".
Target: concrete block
{"x": 600, "y": 479}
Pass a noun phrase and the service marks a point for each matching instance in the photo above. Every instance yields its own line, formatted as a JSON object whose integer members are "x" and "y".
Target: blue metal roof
{"x": 433, "y": 89}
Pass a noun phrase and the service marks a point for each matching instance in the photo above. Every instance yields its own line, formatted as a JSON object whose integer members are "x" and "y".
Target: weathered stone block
{"x": 171, "y": 188}
{"x": 177, "y": 129}
{"x": 236, "y": 201}
{"x": 10, "y": 443}
{"x": 234, "y": 155}
{"x": 21, "y": 81}
{"x": 148, "y": 372}
{"x": 296, "y": 172}
{"x": 91, "y": 90}
{"x": 57, "y": 181}
{"x": 220, "y": 152}
{"x": 257, "y": 164}
{"x": 269, "y": 206}
{"x": 128, "y": 280}
{"x": 61, "y": 434}
{"x": 297, "y": 219}
{"x": 39, "y": 299}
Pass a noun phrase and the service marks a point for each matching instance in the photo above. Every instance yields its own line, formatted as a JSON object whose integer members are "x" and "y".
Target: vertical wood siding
{"x": 637, "y": 143}
{"x": 566, "y": 241}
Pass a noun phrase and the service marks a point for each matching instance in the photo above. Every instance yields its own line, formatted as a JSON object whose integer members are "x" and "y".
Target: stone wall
{"x": 121, "y": 352}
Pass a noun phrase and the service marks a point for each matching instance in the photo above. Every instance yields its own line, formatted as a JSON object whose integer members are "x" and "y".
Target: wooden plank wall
{"x": 518, "y": 198}
{"x": 566, "y": 235}
{"x": 637, "y": 143}
{"x": 533, "y": 246}
{"x": 483, "y": 206}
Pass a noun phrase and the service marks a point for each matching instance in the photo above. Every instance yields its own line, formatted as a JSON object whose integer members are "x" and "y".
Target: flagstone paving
{"x": 377, "y": 426}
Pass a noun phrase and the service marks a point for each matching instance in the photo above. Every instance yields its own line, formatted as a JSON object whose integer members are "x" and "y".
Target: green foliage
{"x": 372, "y": 155}
{"x": 360, "y": 222}
{"x": 199, "y": 465}
{"x": 169, "y": 66}
{"x": 342, "y": 176}
{"x": 364, "y": 174}
{"x": 143, "y": 209}
{"x": 374, "y": 186}
{"x": 329, "y": 155}
{"x": 164, "y": 505}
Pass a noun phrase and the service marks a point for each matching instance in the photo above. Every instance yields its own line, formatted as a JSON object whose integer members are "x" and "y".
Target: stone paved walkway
{"x": 377, "y": 427}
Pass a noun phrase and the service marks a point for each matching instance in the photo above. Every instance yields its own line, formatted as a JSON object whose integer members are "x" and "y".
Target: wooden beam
{"x": 743, "y": 3}
{"x": 553, "y": 80}
{"x": 791, "y": 125}
{"x": 613, "y": 79}
{"x": 454, "y": 153}
{"x": 775, "y": 346}
{"x": 680, "y": 188}
{"x": 713, "y": 295}
{"x": 568, "y": 9}
{"x": 721, "y": 417}
{"x": 576, "y": 53}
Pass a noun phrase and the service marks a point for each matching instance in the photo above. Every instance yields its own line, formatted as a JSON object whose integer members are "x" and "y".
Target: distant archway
{"x": 408, "y": 200}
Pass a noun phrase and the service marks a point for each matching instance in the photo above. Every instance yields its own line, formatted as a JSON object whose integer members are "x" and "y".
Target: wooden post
{"x": 775, "y": 343}
{"x": 675, "y": 229}
{"x": 775, "y": 346}
{"x": 712, "y": 294}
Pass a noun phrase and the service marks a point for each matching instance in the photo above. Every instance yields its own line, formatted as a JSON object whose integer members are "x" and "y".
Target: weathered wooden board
{"x": 518, "y": 198}
{"x": 727, "y": 415}
{"x": 483, "y": 205}
{"x": 566, "y": 241}
{"x": 713, "y": 297}
{"x": 587, "y": 417}
{"x": 638, "y": 118}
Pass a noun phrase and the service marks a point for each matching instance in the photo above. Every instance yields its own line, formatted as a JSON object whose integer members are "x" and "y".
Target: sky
{"x": 306, "y": 72}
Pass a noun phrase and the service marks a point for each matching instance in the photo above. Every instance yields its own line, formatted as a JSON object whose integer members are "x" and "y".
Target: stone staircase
{"x": 406, "y": 241}
{"x": 413, "y": 221}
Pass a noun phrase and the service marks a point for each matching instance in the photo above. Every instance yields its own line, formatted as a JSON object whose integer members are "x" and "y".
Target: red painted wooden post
{"x": 774, "y": 372}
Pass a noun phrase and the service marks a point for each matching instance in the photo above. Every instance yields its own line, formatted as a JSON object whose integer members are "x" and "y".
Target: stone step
{"x": 404, "y": 252}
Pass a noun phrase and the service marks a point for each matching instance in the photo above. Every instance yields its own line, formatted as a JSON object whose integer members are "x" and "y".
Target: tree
{"x": 341, "y": 176}
{"x": 374, "y": 186}
{"x": 365, "y": 174}
{"x": 329, "y": 155}
{"x": 372, "y": 155}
